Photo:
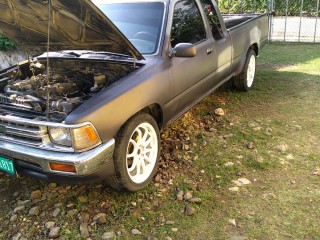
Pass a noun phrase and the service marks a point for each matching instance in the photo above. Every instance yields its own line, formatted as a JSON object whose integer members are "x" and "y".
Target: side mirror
{"x": 185, "y": 50}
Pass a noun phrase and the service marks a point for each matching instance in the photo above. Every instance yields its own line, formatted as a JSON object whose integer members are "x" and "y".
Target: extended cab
{"x": 108, "y": 76}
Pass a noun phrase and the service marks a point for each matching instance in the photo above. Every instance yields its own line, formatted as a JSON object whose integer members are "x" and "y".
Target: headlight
{"x": 79, "y": 138}
{"x": 60, "y": 136}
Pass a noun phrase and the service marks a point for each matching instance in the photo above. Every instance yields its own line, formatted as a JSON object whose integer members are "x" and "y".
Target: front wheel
{"x": 244, "y": 80}
{"x": 136, "y": 153}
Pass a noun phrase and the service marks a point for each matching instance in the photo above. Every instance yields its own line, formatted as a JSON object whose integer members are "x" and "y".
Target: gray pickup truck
{"x": 107, "y": 77}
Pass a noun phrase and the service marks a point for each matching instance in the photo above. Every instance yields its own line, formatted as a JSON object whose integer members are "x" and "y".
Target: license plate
{"x": 7, "y": 165}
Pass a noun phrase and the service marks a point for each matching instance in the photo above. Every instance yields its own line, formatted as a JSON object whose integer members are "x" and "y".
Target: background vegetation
{"x": 6, "y": 44}
{"x": 309, "y": 8}
{"x": 235, "y": 6}
{"x": 280, "y": 7}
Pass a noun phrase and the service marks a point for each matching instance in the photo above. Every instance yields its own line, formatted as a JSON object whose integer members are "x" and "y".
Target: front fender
{"x": 112, "y": 107}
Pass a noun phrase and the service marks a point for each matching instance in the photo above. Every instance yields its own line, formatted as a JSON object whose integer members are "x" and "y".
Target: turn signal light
{"x": 62, "y": 167}
{"x": 85, "y": 137}
{"x": 91, "y": 134}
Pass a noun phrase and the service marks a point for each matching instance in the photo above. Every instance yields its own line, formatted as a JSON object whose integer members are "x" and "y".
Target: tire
{"x": 245, "y": 80}
{"x": 136, "y": 153}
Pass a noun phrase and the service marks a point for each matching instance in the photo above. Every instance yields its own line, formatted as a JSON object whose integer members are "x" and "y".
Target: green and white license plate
{"x": 7, "y": 165}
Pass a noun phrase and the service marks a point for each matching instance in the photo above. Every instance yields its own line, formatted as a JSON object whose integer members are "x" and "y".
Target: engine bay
{"x": 32, "y": 89}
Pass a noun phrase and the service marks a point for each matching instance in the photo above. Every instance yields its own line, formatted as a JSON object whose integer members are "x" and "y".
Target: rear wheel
{"x": 244, "y": 81}
{"x": 136, "y": 153}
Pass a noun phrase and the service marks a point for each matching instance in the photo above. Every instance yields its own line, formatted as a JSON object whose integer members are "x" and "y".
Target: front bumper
{"x": 91, "y": 166}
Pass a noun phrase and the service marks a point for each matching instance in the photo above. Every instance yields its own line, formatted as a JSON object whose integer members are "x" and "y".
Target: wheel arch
{"x": 255, "y": 48}
{"x": 156, "y": 112}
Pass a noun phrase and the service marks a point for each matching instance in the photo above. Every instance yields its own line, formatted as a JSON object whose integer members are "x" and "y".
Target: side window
{"x": 213, "y": 19}
{"x": 187, "y": 26}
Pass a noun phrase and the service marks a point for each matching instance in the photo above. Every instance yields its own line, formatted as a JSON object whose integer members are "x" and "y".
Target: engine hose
{"x": 28, "y": 96}
{"x": 36, "y": 99}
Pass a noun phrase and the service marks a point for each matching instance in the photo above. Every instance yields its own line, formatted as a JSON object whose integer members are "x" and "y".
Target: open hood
{"x": 75, "y": 25}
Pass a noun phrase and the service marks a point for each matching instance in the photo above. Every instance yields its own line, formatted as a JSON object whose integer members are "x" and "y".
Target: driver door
{"x": 190, "y": 76}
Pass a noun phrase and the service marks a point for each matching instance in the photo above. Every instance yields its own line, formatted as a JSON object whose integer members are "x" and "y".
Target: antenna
{"x": 48, "y": 71}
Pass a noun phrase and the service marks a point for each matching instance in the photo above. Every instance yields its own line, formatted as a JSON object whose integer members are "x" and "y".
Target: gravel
{"x": 83, "y": 210}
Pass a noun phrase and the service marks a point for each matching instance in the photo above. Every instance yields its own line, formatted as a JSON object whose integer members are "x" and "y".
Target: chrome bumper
{"x": 86, "y": 163}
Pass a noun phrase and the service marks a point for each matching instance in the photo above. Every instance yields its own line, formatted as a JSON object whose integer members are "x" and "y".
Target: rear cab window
{"x": 213, "y": 19}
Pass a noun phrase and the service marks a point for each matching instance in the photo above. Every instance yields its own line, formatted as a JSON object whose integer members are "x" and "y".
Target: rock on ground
{"x": 84, "y": 217}
{"x": 219, "y": 112}
{"x": 234, "y": 189}
{"x": 19, "y": 209}
{"x": 196, "y": 200}
{"x": 100, "y": 218}
{"x": 241, "y": 182}
{"x": 36, "y": 195}
{"x": 13, "y": 218}
{"x": 237, "y": 238}
{"x": 189, "y": 211}
{"x": 56, "y": 212}
{"x": 83, "y": 199}
{"x": 54, "y": 232}
{"x": 282, "y": 147}
{"x": 180, "y": 195}
{"x": 135, "y": 232}
{"x": 188, "y": 195}
{"x": 17, "y": 236}
{"x": 35, "y": 211}
{"x": 108, "y": 235}
{"x": 49, "y": 225}
{"x": 232, "y": 222}
{"x": 84, "y": 230}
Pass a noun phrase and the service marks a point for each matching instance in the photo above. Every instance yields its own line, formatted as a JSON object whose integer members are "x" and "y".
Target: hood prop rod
{"x": 134, "y": 60}
{"x": 48, "y": 71}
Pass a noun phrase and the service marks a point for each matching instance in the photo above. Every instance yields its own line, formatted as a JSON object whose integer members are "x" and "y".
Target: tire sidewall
{"x": 245, "y": 84}
{"x": 120, "y": 152}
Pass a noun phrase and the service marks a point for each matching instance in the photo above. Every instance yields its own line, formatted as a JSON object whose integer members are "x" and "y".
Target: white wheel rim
{"x": 142, "y": 152}
{"x": 251, "y": 71}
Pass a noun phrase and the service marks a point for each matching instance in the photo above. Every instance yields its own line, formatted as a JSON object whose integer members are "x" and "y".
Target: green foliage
{"x": 6, "y": 44}
{"x": 244, "y": 6}
{"x": 281, "y": 8}
{"x": 294, "y": 8}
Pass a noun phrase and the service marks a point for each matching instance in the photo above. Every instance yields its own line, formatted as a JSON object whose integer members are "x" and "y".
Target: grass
{"x": 284, "y": 99}
{"x": 280, "y": 121}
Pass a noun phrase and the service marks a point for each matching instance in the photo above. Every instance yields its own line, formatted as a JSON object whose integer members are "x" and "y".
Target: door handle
{"x": 209, "y": 50}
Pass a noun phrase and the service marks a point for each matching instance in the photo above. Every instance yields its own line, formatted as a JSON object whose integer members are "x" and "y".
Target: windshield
{"x": 141, "y": 23}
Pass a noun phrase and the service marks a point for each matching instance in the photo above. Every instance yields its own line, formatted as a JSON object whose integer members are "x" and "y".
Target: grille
{"x": 23, "y": 132}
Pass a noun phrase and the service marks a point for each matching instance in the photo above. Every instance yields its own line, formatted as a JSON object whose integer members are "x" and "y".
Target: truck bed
{"x": 233, "y": 20}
